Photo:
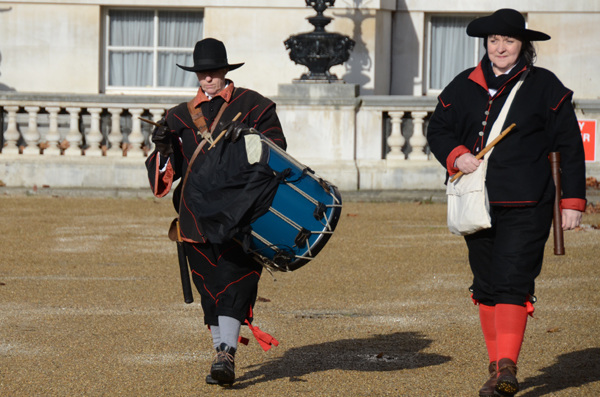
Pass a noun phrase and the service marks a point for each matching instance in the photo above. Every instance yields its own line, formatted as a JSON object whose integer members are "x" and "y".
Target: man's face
{"x": 212, "y": 81}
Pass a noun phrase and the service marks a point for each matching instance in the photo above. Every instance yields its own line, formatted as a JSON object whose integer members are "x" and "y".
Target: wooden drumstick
{"x": 149, "y": 122}
{"x": 223, "y": 132}
{"x": 487, "y": 149}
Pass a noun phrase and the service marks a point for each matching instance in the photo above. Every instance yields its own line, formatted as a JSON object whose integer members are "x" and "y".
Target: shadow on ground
{"x": 572, "y": 370}
{"x": 392, "y": 352}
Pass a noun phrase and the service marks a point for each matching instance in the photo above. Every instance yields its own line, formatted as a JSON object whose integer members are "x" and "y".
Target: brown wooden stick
{"x": 487, "y": 149}
{"x": 559, "y": 243}
{"x": 149, "y": 121}
{"x": 212, "y": 145}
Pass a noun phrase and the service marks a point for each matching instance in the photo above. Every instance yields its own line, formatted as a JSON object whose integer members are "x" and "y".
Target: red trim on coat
{"x": 478, "y": 77}
{"x": 561, "y": 101}
{"x": 442, "y": 102}
{"x": 451, "y": 159}
{"x": 573, "y": 204}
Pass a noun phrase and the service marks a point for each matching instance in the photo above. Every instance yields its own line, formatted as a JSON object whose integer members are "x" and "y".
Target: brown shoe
{"x": 487, "y": 390}
{"x": 507, "y": 384}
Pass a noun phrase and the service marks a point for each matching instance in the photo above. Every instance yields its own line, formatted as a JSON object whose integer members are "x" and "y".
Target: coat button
{"x": 480, "y": 133}
{"x": 487, "y": 112}
{"x": 484, "y": 123}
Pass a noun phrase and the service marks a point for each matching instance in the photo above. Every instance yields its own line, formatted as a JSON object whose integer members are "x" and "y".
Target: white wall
{"x": 50, "y": 48}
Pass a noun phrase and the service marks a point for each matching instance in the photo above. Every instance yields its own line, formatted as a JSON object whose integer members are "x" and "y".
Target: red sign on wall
{"x": 588, "y": 135}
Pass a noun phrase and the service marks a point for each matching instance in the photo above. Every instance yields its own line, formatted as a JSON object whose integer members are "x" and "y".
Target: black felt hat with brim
{"x": 504, "y": 22}
{"x": 210, "y": 54}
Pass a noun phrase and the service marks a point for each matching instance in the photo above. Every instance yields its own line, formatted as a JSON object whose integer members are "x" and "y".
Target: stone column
{"x": 94, "y": 137}
{"x": 32, "y": 136}
{"x": 135, "y": 138}
{"x": 11, "y": 135}
{"x": 418, "y": 140}
{"x": 74, "y": 137}
{"x": 396, "y": 140}
{"x": 115, "y": 137}
{"x": 53, "y": 136}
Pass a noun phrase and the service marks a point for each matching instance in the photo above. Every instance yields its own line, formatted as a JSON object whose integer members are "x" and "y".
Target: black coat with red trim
{"x": 518, "y": 169}
{"x": 256, "y": 111}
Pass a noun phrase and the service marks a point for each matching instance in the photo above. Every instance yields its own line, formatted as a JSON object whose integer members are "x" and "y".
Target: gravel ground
{"x": 91, "y": 305}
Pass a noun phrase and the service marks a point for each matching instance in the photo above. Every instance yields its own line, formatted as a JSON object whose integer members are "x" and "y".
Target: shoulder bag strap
{"x": 497, "y": 127}
{"x": 200, "y": 123}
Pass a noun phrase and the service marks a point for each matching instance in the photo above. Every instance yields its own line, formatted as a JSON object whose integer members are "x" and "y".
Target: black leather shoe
{"x": 507, "y": 384}
{"x": 211, "y": 381}
{"x": 487, "y": 390}
{"x": 223, "y": 366}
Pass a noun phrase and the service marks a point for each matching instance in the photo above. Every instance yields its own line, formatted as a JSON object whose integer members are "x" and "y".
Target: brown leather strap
{"x": 200, "y": 123}
{"x": 197, "y": 116}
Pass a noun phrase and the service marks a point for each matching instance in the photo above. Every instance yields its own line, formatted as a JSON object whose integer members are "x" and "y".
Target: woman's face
{"x": 212, "y": 81}
{"x": 503, "y": 51}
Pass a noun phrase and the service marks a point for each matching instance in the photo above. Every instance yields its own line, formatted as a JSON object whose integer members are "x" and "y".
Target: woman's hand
{"x": 467, "y": 163}
{"x": 571, "y": 219}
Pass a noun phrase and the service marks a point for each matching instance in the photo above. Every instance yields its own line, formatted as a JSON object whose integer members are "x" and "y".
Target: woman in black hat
{"x": 506, "y": 258}
{"x": 225, "y": 276}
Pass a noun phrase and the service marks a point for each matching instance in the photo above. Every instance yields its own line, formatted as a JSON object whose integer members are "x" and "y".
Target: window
{"x": 144, "y": 46}
{"x": 450, "y": 49}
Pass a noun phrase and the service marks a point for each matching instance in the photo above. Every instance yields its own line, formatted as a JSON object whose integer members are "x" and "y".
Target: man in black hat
{"x": 225, "y": 276}
{"x": 506, "y": 258}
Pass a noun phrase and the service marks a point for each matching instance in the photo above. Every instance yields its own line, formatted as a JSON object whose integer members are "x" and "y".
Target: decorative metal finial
{"x": 319, "y": 50}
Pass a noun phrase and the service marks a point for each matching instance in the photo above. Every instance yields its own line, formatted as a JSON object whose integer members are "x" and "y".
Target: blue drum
{"x": 302, "y": 216}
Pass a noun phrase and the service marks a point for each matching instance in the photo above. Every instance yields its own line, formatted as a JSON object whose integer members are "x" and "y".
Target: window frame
{"x": 155, "y": 89}
{"x": 429, "y": 91}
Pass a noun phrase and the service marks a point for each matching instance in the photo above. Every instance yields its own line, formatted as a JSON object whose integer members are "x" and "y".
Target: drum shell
{"x": 274, "y": 234}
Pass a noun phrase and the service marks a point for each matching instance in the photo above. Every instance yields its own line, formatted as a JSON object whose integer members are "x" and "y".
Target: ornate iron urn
{"x": 319, "y": 50}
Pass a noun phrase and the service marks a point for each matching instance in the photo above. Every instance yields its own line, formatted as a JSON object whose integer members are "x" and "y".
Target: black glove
{"x": 162, "y": 138}
{"x": 236, "y": 130}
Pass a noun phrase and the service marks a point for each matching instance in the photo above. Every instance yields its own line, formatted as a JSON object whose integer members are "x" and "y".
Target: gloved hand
{"x": 236, "y": 130}
{"x": 162, "y": 138}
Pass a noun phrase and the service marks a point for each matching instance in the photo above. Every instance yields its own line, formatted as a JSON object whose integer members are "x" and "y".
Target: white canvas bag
{"x": 468, "y": 203}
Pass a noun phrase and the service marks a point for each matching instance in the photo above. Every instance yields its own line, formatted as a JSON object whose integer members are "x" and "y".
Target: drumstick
{"x": 150, "y": 122}
{"x": 223, "y": 132}
{"x": 486, "y": 149}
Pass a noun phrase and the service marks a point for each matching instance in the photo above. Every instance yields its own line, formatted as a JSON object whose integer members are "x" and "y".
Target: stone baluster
{"x": 32, "y": 136}
{"x": 52, "y": 138}
{"x": 116, "y": 136}
{"x": 418, "y": 140}
{"x": 74, "y": 137}
{"x": 11, "y": 135}
{"x": 94, "y": 136}
{"x": 396, "y": 140}
{"x": 135, "y": 138}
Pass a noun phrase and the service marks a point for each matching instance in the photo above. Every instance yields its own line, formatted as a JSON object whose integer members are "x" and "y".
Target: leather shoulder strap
{"x": 197, "y": 116}
{"x": 200, "y": 123}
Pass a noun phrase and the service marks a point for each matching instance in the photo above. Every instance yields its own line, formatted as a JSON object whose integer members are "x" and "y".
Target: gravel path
{"x": 91, "y": 305}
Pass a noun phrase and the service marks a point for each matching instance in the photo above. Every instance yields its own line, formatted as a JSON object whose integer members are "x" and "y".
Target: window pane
{"x": 130, "y": 69}
{"x": 452, "y": 51}
{"x": 131, "y": 28}
{"x": 179, "y": 28}
{"x": 170, "y": 75}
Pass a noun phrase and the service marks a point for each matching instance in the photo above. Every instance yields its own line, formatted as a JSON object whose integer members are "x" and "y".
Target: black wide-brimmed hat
{"x": 504, "y": 22}
{"x": 210, "y": 54}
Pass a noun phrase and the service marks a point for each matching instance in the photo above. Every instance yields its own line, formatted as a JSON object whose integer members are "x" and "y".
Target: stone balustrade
{"x": 95, "y": 126}
{"x": 369, "y": 142}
